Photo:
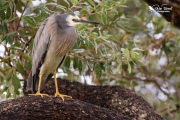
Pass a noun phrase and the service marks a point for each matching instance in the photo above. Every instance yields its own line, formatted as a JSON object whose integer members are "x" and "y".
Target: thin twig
{"x": 27, "y": 43}
{"x": 22, "y": 15}
{"x": 153, "y": 80}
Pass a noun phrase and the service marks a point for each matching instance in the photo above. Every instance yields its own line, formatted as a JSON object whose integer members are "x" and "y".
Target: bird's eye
{"x": 75, "y": 20}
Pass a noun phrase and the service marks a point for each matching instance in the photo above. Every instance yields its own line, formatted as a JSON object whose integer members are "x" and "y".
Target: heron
{"x": 54, "y": 39}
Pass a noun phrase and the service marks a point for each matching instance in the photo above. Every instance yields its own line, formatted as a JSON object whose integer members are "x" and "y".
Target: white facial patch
{"x": 70, "y": 21}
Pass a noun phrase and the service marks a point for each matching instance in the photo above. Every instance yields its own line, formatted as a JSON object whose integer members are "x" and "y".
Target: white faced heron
{"x": 54, "y": 39}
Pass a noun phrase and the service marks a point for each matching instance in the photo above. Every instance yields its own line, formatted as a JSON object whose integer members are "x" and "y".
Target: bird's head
{"x": 74, "y": 20}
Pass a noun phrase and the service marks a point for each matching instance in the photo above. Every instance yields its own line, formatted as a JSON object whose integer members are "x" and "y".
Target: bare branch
{"x": 22, "y": 15}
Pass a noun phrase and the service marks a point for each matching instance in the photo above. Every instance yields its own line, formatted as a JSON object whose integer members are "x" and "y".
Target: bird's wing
{"x": 40, "y": 46}
{"x": 62, "y": 42}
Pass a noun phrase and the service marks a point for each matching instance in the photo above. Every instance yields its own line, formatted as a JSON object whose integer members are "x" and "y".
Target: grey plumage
{"x": 54, "y": 39}
{"x": 51, "y": 44}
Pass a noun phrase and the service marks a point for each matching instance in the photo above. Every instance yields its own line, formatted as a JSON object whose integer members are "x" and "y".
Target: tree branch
{"x": 22, "y": 15}
{"x": 53, "y": 108}
{"x": 122, "y": 101}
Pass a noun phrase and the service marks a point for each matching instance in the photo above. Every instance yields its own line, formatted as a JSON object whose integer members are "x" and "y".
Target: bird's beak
{"x": 85, "y": 21}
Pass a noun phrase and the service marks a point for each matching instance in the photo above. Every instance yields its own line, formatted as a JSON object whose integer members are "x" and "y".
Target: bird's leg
{"x": 57, "y": 91}
{"x": 39, "y": 85}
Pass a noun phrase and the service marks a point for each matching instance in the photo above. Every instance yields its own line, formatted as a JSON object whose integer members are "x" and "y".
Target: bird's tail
{"x": 30, "y": 83}
{"x": 33, "y": 80}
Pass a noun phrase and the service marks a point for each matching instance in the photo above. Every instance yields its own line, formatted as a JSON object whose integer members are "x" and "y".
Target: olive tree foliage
{"x": 132, "y": 47}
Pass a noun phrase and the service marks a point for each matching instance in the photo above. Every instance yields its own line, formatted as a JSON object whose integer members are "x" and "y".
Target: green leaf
{"x": 3, "y": 6}
{"x": 8, "y": 83}
{"x": 80, "y": 66}
{"x": 44, "y": 15}
{"x": 129, "y": 67}
{"x": 102, "y": 66}
{"x": 107, "y": 67}
{"x": 8, "y": 12}
{"x": 2, "y": 73}
{"x": 7, "y": 69}
{"x": 74, "y": 1}
{"x": 11, "y": 89}
{"x": 88, "y": 44}
{"x": 16, "y": 1}
{"x": 85, "y": 10}
{"x": 67, "y": 62}
{"x": 8, "y": 94}
{"x": 2, "y": 15}
{"x": 75, "y": 63}
{"x": 8, "y": 76}
{"x": 3, "y": 90}
{"x": 12, "y": 34}
{"x": 134, "y": 83}
{"x": 29, "y": 20}
{"x": 133, "y": 56}
{"x": 17, "y": 92}
{"x": 20, "y": 68}
{"x": 5, "y": 59}
{"x": 1, "y": 29}
{"x": 91, "y": 2}
{"x": 98, "y": 70}
{"x": 28, "y": 66}
{"x": 126, "y": 54}
{"x": 25, "y": 56}
{"x": 64, "y": 3}
{"x": 95, "y": 46}
{"x": 104, "y": 19}
{"x": 5, "y": 26}
{"x": 61, "y": 7}
{"x": 12, "y": 19}
{"x": 16, "y": 82}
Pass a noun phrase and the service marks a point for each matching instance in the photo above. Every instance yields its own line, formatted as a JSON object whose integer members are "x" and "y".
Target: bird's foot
{"x": 61, "y": 95}
{"x": 38, "y": 94}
